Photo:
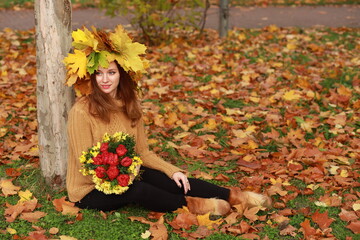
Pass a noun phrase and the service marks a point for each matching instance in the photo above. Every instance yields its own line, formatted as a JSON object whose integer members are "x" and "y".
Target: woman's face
{"x": 108, "y": 79}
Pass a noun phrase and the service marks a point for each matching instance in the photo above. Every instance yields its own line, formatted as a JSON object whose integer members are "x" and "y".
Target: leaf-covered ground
{"x": 273, "y": 110}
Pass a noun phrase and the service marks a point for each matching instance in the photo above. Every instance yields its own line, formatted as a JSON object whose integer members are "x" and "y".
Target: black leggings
{"x": 154, "y": 191}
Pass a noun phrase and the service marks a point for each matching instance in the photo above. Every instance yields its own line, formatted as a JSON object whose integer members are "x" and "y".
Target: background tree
{"x": 54, "y": 99}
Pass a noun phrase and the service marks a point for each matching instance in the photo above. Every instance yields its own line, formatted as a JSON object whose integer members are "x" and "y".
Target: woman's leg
{"x": 199, "y": 188}
{"x": 140, "y": 192}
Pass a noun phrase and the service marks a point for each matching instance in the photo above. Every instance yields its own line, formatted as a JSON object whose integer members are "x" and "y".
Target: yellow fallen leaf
{"x": 240, "y": 133}
{"x": 25, "y": 195}
{"x": 172, "y": 118}
{"x": 333, "y": 170}
{"x": 211, "y": 124}
{"x": 11, "y": 231}
{"x": 291, "y": 46}
{"x": 146, "y": 234}
{"x": 182, "y": 135}
{"x": 273, "y": 28}
{"x": 356, "y": 206}
{"x": 229, "y": 120}
{"x": 230, "y": 111}
{"x": 63, "y": 237}
{"x": 204, "y": 220}
{"x": 320, "y": 204}
{"x": 251, "y": 145}
{"x": 291, "y": 95}
{"x": 312, "y": 186}
{"x": 242, "y": 37}
{"x": 344, "y": 173}
{"x": 152, "y": 141}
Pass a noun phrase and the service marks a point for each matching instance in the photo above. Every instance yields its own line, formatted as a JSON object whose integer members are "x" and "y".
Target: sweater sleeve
{"x": 149, "y": 158}
{"x": 80, "y": 139}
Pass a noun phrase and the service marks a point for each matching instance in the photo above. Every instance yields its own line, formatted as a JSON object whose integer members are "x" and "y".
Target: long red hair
{"x": 101, "y": 104}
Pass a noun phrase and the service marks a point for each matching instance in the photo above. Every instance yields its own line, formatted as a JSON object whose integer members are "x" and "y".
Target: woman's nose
{"x": 105, "y": 78}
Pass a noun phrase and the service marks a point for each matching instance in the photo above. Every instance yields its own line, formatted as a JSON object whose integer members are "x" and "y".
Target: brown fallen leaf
{"x": 348, "y": 216}
{"x": 354, "y": 227}
{"x": 184, "y": 220}
{"x": 8, "y": 188}
{"x": 251, "y": 213}
{"x": 307, "y": 229}
{"x": 32, "y": 216}
{"x": 322, "y": 219}
{"x": 289, "y": 230}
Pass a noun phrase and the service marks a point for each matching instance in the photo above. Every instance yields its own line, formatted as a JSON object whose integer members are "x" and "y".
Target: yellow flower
{"x": 94, "y": 152}
{"x": 83, "y": 158}
{"x": 106, "y": 137}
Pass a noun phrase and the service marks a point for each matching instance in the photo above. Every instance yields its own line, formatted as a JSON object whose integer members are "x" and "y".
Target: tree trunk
{"x": 54, "y": 99}
{"x": 224, "y": 18}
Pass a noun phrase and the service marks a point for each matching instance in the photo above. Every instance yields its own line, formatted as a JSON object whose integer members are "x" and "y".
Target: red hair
{"x": 101, "y": 104}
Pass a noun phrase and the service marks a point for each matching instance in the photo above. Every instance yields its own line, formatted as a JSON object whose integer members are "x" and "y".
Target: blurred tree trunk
{"x": 54, "y": 99}
{"x": 224, "y": 18}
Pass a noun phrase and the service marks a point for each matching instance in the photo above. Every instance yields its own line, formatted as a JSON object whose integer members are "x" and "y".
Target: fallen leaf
{"x": 32, "y": 216}
{"x": 8, "y": 188}
{"x": 308, "y": 230}
{"x": 322, "y": 219}
{"x": 204, "y": 220}
{"x": 354, "y": 227}
{"x": 347, "y": 216}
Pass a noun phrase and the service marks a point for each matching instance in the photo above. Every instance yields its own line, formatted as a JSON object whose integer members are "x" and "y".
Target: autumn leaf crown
{"x": 96, "y": 48}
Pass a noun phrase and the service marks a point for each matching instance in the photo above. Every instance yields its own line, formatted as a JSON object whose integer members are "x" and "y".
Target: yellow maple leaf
{"x": 71, "y": 79}
{"x": 84, "y": 39}
{"x": 130, "y": 51}
{"x": 229, "y": 120}
{"x": 76, "y": 63}
{"x": 211, "y": 124}
{"x": 291, "y": 95}
{"x": 25, "y": 195}
{"x": 204, "y": 220}
{"x": 291, "y": 46}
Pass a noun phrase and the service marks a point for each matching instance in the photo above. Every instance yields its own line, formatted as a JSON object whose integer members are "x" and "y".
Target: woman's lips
{"x": 105, "y": 86}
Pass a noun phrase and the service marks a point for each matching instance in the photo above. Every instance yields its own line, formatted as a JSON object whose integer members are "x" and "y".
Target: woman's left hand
{"x": 181, "y": 178}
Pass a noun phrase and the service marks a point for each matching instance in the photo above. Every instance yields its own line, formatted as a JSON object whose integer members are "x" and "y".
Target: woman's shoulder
{"x": 81, "y": 105}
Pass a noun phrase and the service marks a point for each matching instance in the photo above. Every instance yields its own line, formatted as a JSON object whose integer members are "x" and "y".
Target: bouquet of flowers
{"x": 112, "y": 163}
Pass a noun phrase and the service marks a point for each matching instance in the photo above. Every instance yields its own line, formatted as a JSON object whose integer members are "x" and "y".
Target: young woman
{"x": 112, "y": 106}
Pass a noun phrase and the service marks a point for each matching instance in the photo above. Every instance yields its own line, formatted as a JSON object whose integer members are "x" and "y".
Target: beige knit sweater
{"x": 84, "y": 131}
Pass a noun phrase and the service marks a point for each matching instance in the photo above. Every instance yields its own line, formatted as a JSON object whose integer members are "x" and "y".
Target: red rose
{"x": 98, "y": 160}
{"x": 110, "y": 158}
{"x": 123, "y": 180}
{"x": 100, "y": 172}
{"x": 126, "y": 161}
{"x": 104, "y": 147}
{"x": 112, "y": 172}
{"x": 121, "y": 150}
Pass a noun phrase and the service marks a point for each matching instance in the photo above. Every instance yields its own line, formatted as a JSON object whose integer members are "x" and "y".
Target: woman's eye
{"x": 112, "y": 73}
{"x": 98, "y": 73}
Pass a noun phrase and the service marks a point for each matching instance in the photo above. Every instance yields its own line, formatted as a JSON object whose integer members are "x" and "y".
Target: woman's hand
{"x": 181, "y": 178}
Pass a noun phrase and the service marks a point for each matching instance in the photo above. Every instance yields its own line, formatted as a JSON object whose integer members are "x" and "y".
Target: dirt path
{"x": 251, "y": 17}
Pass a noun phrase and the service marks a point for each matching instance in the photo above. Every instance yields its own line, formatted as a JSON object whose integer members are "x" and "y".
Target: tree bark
{"x": 54, "y": 98}
{"x": 224, "y": 18}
